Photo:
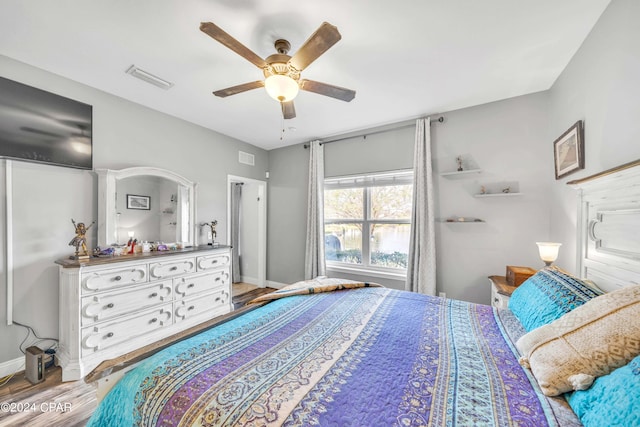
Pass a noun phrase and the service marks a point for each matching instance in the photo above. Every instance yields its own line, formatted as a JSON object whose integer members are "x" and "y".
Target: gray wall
{"x": 47, "y": 197}
{"x": 601, "y": 85}
{"x": 385, "y": 151}
{"x": 507, "y": 139}
{"x": 287, "y": 213}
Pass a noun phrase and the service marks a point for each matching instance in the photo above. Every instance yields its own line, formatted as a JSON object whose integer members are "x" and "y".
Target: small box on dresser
{"x": 517, "y": 275}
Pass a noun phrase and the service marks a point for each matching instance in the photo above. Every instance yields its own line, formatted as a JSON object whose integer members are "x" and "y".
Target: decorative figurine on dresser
{"x": 214, "y": 234}
{"x": 80, "y": 240}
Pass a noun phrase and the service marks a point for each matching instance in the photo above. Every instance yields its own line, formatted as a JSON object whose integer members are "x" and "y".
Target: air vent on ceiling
{"x": 149, "y": 78}
{"x": 246, "y": 158}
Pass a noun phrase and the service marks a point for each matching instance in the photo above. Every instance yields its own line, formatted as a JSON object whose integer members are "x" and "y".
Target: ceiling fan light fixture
{"x": 281, "y": 88}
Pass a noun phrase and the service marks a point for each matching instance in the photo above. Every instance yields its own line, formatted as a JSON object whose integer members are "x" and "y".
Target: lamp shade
{"x": 548, "y": 251}
{"x": 281, "y": 88}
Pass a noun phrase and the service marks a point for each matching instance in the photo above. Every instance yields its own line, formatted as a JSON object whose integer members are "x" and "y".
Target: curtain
{"x": 421, "y": 268}
{"x": 314, "y": 264}
{"x": 236, "y": 196}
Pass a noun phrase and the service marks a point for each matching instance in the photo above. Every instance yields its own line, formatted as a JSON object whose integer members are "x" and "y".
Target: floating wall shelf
{"x": 461, "y": 220}
{"x": 461, "y": 174}
{"x": 497, "y": 195}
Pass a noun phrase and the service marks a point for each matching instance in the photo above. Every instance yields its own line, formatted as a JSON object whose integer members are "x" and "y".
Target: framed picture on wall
{"x": 138, "y": 202}
{"x": 568, "y": 151}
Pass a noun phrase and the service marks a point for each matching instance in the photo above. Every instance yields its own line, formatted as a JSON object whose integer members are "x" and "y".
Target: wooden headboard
{"x": 609, "y": 227}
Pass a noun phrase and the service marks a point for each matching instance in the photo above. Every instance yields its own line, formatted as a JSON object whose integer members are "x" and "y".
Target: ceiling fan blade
{"x": 288, "y": 110}
{"x": 336, "y": 92}
{"x": 220, "y": 35}
{"x": 319, "y": 42}
{"x": 233, "y": 90}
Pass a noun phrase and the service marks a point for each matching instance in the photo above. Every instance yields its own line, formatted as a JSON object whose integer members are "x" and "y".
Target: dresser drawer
{"x": 191, "y": 307}
{"x": 211, "y": 262}
{"x": 498, "y": 300}
{"x": 191, "y": 285}
{"x": 163, "y": 270}
{"x": 107, "y": 334}
{"x": 102, "y": 280}
{"x": 100, "y": 307}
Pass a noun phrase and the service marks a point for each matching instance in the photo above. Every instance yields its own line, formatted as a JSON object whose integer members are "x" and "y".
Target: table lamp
{"x": 548, "y": 251}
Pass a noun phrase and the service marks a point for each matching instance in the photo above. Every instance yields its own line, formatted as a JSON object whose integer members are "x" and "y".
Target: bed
{"x": 333, "y": 352}
{"x": 338, "y": 356}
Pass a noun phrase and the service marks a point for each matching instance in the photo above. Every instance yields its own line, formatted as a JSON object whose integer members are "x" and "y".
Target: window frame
{"x": 367, "y": 183}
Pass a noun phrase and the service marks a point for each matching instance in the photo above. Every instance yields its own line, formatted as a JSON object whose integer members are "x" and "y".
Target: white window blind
{"x": 370, "y": 180}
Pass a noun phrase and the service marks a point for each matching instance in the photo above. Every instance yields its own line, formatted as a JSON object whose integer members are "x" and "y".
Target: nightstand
{"x": 500, "y": 291}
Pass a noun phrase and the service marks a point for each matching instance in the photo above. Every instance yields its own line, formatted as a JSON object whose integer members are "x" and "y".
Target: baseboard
{"x": 268, "y": 283}
{"x": 277, "y": 285}
{"x": 11, "y": 366}
{"x": 249, "y": 280}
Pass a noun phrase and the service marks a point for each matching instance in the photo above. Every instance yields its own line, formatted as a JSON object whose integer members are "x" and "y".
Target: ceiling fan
{"x": 281, "y": 71}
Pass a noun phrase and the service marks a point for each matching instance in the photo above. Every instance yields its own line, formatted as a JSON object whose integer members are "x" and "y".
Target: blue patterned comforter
{"x": 361, "y": 357}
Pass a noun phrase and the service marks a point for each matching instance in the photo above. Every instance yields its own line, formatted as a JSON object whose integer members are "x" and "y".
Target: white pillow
{"x": 590, "y": 341}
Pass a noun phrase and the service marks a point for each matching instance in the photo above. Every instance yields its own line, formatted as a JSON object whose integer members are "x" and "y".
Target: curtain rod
{"x": 395, "y": 126}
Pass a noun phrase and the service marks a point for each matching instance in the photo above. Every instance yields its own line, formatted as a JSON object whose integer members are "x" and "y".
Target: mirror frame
{"x": 107, "y": 210}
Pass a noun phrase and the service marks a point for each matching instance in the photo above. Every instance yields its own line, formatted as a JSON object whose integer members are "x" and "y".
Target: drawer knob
{"x": 154, "y": 320}
{"x": 174, "y": 268}
{"x": 217, "y": 299}
{"x": 109, "y": 335}
{"x": 215, "y": 261}
{"x": 191, "y": 308}
{"x": 153, "y": 295}
{"x": 117, "y": 278}
{"x": 217, "y": 279}
{"x": 190, "y": 285}
{"x": 110, "y": 305}
{"x": 496, "y": 300}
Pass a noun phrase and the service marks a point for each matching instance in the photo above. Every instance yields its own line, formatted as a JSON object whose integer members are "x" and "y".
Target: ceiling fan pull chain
{"x": 282, "y": 122}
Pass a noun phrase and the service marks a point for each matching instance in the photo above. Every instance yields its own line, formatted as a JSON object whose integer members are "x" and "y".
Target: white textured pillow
{"x": 590, "y": 341}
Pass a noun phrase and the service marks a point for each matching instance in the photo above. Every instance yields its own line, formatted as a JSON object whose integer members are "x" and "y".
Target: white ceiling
{"x": 404, "y": 59}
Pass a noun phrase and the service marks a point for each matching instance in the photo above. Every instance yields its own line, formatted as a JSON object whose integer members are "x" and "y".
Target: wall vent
{"x": 246, "y": 158}
{"x": 149, "y": 78}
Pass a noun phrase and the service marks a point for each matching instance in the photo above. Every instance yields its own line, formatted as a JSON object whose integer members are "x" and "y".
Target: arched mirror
{"x": 150, "y": 204}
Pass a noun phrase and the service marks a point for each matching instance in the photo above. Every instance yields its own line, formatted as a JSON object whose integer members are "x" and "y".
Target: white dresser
{"x": 111, "y": 306}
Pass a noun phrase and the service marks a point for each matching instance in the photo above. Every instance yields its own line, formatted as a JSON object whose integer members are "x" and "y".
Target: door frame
{"x": 262, "y": 222}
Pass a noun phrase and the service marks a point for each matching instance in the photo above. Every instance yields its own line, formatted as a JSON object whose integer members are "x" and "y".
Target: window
{"x": 368, "y": 220}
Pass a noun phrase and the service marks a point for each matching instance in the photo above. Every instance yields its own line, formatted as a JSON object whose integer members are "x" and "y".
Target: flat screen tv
{"x": 39, "y": 126}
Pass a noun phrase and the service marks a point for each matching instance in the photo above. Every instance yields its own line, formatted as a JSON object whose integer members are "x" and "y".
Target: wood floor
{"x": 53, "y": 403}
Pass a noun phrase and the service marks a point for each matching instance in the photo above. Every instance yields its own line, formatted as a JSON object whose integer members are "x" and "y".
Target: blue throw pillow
{"x": 547, "y": 295}
{"x": 612, "y": 400}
